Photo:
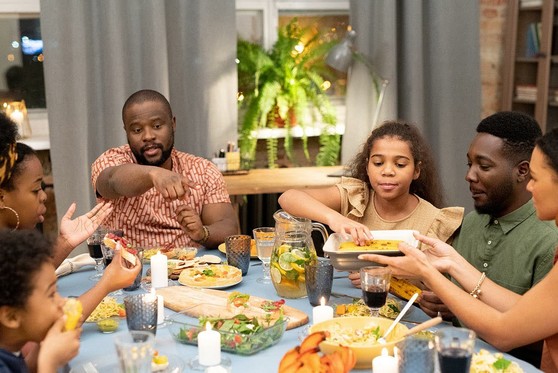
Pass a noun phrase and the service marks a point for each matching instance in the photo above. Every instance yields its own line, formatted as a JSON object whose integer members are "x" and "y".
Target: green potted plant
{"x": 283, "y": 87}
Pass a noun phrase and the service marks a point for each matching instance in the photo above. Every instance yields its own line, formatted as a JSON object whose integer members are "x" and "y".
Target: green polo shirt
{"x": 516, "y": 251}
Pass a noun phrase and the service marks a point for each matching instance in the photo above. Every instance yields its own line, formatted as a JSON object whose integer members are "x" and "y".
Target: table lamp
{"x": 341, "y": 57}
{"x": 17, "y": 112}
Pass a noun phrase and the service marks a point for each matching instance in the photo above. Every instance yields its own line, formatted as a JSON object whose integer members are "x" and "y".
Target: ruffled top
{"x": 357, "y": 203}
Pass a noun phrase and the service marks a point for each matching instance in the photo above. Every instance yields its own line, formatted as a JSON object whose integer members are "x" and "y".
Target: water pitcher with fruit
{"x": 293, "y": 249}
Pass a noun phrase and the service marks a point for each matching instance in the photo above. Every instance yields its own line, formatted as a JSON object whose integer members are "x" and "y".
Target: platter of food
{"x": 253, "y": 249}
{"x": 213, "y": 276}
{"x": 227, "y": 304}
{"x": 344, "y": 253}
{"x": 179, "y": 253}
{"x": 108, "y": 307}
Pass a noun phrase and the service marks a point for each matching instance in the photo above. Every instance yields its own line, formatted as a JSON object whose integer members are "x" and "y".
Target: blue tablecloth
{"x": 96, "y": 346}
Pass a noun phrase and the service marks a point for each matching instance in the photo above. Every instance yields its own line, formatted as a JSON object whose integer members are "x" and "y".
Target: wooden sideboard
{"x": 278, "y": 180}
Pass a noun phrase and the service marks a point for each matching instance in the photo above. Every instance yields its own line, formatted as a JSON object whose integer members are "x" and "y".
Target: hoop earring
{"x": 15, "y": 213}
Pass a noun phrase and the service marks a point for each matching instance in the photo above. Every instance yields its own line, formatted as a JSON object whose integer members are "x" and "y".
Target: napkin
{"x": 73, "y": 264}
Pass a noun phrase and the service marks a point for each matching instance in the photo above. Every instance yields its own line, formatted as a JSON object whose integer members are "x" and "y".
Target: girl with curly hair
{"x": 394, "y": 185}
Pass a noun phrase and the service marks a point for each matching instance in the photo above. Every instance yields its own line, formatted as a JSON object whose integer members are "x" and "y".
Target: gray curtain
{"x": 429, "y": 51}
{"x": 98, "y": 52}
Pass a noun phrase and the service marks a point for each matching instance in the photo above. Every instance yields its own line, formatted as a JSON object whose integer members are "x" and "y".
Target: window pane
{"x": 249, "y": 25}
{"x": 21, "y": 60}
{"x": 332, "y": 26}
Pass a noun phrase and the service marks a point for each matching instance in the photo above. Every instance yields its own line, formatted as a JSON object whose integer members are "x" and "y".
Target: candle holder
{"x": 141, "y": 312}
{"x": 238, "y": 251}
{"x": 225, "y": 366}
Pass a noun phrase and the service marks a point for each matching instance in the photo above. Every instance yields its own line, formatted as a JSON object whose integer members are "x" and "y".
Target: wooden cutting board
{"x": 180, "y": 298}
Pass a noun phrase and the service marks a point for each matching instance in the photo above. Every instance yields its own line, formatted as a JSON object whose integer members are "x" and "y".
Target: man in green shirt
{"x": 503, "y": 236}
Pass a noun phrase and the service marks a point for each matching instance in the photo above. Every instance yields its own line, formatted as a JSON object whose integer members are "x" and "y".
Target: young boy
{"x": 30, "y": 306}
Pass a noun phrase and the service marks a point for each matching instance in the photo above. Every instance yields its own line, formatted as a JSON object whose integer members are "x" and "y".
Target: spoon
{"x": 422, "y": 326}
{"x": 382, "y": 340}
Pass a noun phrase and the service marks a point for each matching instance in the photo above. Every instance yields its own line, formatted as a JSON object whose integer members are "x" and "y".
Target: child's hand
{"x": 58, "y": 347}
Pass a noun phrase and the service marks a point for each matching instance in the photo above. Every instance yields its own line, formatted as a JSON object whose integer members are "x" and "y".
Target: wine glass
{"x": 108, "y": 254}
{"x": 94, "y": 246}
{"x": 265, "y": 239}
{"x": 374, "y": 282}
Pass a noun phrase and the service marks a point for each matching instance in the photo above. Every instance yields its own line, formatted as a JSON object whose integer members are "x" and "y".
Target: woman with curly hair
{"x": 394, "y": 185}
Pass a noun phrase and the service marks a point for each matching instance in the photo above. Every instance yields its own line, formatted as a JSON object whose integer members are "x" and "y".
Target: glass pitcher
{"x": 292, "y": 250}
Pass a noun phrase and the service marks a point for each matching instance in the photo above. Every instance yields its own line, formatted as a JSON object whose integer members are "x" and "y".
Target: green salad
{"x": 239, "y": 334}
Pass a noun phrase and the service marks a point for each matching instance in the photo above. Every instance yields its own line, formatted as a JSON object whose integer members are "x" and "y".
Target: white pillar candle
{"x": 209, "y": 347}
{"x": 384, "y": 363}
{"x": 322, "y": 312}
{"x": 159, "y": 274}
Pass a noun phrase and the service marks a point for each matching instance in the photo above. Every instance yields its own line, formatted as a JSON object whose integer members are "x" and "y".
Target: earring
{"x": 15, "y": 213}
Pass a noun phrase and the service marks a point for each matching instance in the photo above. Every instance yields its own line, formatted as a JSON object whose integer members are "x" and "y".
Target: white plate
{"x": 348, "y": 260}
{"x": 109, "y": 364}
{"x": 212, "y": 287}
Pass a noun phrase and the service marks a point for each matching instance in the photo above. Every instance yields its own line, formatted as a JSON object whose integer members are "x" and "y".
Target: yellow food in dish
{"x": 210, "y": 276}
{"x": 106, "y": 308}
{"x": 73, "y": 310}
{"x": 485, "y": 362}
{"x": 371, "y": 245}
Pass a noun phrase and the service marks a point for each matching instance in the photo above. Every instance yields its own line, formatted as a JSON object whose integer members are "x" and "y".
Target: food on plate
{"x": 213, "y": 275}
{"x": 402, "y": 288}
{"x": 358, "y": 308}
{"x": 159, "y": 362}
{"x": 486, "y": 362}
{"x": 108, "y": 325}
{"x": 180, "y": 253}
{"x": 72, "y": 310}
{"x": 307, "y": 358}
{"x": 241, "y": 334}
{"x": 272, "y": 306}
{"x": 371, "y": 245}
{"x": 115, "y": 242}
{"x": 238, "y": 300}
{"x": 106, "y": 308}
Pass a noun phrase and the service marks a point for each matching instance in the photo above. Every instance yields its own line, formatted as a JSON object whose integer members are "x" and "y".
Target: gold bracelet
{"x": 205, "y": 236}
{"x": 476, "y": 292}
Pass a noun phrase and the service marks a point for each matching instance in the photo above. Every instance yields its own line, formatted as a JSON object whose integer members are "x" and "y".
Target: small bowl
{"x": 108, "y": 325}
{"x": 364, "y": 353}
{"x": 185, "y": 329}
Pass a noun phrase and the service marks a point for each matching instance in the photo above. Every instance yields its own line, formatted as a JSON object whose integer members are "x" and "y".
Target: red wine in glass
{"x": 454, "y": 360}
{"x": 95, "y": 250}
{"x": 374, "y": 297}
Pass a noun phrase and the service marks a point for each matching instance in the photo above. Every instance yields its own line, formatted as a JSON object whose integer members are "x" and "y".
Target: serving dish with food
{"x": 214, "y": 276}
{"x": 360, "y": 334}
{"x": 343, "y": 252}
{"x": 240, "y": 334}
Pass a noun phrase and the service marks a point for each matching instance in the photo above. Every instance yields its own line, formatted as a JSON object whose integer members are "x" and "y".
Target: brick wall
{"x": 492, "y": 28}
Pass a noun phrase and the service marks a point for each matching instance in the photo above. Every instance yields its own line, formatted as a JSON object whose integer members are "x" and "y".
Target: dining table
{"x": 98, "y": 347}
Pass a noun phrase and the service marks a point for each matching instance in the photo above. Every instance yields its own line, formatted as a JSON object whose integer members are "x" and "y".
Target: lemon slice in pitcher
{"x": 275, "y": 275}
{"x": 285, "y": 261}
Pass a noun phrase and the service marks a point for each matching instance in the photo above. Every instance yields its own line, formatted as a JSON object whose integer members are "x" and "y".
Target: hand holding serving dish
{"x": 344, "y": 253}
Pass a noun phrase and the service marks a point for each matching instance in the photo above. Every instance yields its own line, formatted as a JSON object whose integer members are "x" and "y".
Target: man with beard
{"x": 161, "y": 196}
{"x": 503, "y": 237}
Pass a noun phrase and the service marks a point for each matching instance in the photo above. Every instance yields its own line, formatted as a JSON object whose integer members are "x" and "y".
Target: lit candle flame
{"x": 208, "y": 326}
{"x": 385, "y": 352}
{"x": 322, "y": 301}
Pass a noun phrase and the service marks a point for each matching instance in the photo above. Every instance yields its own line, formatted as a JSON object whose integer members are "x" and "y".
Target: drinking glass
{"x": 94, "y": 246}
{"x": 108, "y": 254}
{"x": 135, "y": 351}
{"x": 265, "y": 238}
{"x": 374, "y": 282}
{"x": 455, "y": 349}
